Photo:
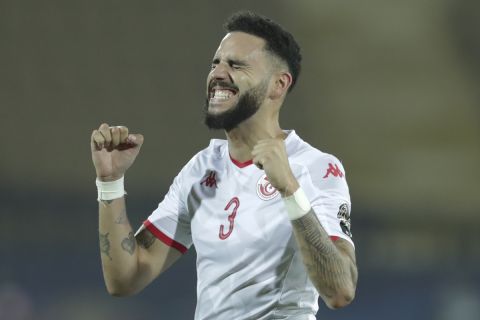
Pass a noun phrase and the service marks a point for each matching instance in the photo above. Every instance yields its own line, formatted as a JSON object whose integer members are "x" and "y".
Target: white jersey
{"x": 248, "y": 262}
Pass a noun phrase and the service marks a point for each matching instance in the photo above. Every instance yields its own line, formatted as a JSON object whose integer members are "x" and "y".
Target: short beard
{"x": 247, "y": 105}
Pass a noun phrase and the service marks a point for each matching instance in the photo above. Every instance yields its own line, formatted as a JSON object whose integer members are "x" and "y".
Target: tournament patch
{"x": 344, "y": 216}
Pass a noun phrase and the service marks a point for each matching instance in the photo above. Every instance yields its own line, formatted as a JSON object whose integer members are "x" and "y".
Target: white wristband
{"x": 297, "y": 204}
{"x": 109, "y": 190}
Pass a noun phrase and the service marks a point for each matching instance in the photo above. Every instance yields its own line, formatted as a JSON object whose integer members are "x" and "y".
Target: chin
{"x": 215, "y": 109}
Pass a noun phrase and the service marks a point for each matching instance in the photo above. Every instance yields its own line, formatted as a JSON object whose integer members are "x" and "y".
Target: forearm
{"x": 117, "y": 246}
{"x": 331, "y": 267}
{"x": 332, "y": 272}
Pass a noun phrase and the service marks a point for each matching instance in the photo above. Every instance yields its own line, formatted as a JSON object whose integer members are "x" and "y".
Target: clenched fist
{"x": 113, "y": 151}
{"x": 271, "y": 156}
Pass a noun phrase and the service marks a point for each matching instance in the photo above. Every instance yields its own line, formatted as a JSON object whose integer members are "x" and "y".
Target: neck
{"x": 242, "y": 139}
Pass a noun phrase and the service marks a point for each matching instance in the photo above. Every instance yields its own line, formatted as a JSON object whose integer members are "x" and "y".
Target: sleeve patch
{"x": 344, "y": 216}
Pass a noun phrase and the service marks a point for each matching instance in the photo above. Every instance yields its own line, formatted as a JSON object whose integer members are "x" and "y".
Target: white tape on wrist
{"x": 297, "y": 204}
{"x": 109, "y": 190}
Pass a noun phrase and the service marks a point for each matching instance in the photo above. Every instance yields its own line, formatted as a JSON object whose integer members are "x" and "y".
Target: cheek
{"x": 209, "y": 78}
{"x": 244, "y": 82}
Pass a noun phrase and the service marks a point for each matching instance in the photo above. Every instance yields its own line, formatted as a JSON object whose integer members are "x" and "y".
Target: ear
{"x": 283, "y": 81}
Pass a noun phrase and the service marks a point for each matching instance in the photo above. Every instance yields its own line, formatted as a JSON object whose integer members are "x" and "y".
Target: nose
{"x": 221, "y": 72}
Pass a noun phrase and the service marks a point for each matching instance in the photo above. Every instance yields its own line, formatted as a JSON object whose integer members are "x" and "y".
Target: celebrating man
{"x": 268, "y": 214}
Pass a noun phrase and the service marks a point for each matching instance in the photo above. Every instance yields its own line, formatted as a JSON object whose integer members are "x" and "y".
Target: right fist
{"x": 113, "y": 151}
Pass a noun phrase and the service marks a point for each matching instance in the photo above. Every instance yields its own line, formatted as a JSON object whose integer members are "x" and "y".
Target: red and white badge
{"x": 265, "y": 190}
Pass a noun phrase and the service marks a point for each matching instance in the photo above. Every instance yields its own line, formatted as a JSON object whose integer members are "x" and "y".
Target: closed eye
{"x": 236, "y": 64}
{"x": 214, "y": 63}
{"x": 233, "y": 63}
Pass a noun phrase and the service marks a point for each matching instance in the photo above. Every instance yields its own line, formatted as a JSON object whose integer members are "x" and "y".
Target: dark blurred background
{"x": 390, "y": 87}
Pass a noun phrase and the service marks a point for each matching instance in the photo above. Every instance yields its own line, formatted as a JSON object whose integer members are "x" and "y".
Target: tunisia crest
{"x": 265, "y": 190}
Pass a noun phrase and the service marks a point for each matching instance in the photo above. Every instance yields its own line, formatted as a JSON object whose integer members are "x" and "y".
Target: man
{"x": 270, "y": 237}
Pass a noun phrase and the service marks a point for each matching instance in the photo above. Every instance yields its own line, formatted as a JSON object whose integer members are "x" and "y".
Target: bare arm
{"x": 330, "y": 265}
{"x": 129, "y": 264}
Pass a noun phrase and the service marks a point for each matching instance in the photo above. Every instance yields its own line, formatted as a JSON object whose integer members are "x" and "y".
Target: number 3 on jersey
{"x": 231, "y": 218}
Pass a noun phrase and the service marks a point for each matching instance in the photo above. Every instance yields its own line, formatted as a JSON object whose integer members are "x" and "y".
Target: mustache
{"x": 223, "y": 84}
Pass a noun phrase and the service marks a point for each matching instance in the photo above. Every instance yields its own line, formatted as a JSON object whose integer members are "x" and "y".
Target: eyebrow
{"x": 231, "y": 62}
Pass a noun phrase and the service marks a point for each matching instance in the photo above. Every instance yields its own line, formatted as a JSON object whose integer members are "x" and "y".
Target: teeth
{"x": 222, "y": 94}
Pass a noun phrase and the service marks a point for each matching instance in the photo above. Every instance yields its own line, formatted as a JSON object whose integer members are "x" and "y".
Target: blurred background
{"x": 390, "y": 87}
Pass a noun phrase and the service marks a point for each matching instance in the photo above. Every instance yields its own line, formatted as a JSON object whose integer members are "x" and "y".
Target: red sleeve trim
{"x": 163, "y": 237}
{"x": 334, "y": 238}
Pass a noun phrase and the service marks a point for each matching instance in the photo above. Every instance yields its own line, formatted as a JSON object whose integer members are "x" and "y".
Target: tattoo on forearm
{"x": 129, "y": 243}
{"x": 105, "y": 244}
{"x": 106, "y": 202}
{"x": 145, "y": 239}
{"x": 323, "y": 262}
{"x": 122, "y": 218}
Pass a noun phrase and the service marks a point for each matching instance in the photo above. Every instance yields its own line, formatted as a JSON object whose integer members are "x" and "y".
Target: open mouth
{"x": 221, "y": 94}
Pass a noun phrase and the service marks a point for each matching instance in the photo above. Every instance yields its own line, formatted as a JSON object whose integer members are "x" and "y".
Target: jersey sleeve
{"x": 330, "y": 198}
{"x": 170, "y": 222}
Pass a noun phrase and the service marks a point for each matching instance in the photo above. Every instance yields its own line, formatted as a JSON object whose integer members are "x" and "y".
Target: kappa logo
{"x": 210, "y": 180}
{"x": 334, "y": 171}
{"x": 265, "y": 190}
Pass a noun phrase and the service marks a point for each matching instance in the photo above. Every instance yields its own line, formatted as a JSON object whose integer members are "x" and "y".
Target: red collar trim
{"x": 241, "y": 164}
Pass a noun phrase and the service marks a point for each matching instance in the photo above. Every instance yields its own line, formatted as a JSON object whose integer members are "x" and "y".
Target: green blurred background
{"x": 390, "y": 87}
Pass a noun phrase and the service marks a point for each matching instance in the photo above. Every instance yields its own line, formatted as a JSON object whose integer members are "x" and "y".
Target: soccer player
{"x": 268, "y": 214}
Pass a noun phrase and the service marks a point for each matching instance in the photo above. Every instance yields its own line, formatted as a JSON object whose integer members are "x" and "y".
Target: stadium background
{"x": 390, "y": 87}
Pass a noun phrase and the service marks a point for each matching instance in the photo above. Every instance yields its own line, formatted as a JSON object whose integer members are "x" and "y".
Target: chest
{"x": 236, "y": 213}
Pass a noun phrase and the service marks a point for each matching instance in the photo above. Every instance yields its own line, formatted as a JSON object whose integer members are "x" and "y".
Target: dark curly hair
{"x": 278, "y": 41}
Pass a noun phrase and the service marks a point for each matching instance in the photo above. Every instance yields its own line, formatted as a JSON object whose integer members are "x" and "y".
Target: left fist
{"x": 271, "y": 156}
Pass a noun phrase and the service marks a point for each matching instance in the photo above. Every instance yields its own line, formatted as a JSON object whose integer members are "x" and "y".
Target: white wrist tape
{"x": 109, "y": 190}
{"x": 297, "y": 204}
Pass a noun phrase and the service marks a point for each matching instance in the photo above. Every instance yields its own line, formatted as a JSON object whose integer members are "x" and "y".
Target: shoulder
{"x": 313, "y": 159}
{"x": 325, "y": 170}
{"x": 209, "y": 158}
